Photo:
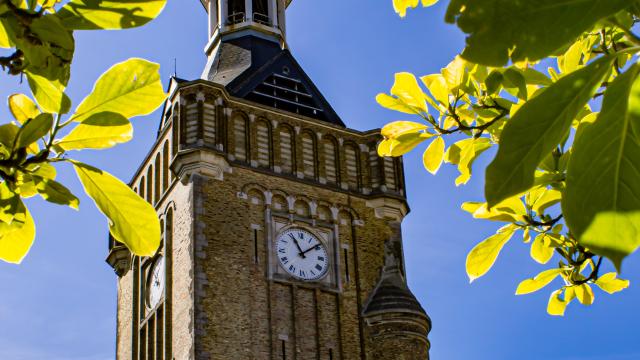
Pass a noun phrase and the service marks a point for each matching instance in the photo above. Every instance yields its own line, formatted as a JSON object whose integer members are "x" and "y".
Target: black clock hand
{"x": 316, "y": 246}
{"x": 298, "y": 246}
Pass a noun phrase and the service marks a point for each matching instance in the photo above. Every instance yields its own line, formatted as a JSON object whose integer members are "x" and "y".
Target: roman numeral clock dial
{"x": 302, "y": 254}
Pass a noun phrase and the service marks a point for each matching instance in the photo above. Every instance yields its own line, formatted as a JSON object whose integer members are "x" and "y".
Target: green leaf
{"x": 23, "y": 108}
{"x": 54, "y": 192}
{"x": 433, "y": 156}
{"x": 534, "y": 77}
{"x": 49, "y": 94}
{"x": 541, "y": 249}
{"x": 33, "y": 130}
{"x": 611, "y": 284}
{"x": 130, "y": 88}
{"x": 605, "y": 157}
{"x": 132, "y": 221}
{"x": 100, "y": 131}
{"x": 407, "y": 91}
{"x": 50, "y": 29}
{"x": 538, "y": 282}
{"x": 524, "y": 30}
{"x": 8, "y": 133}
{"x": 537, "y": 128}
{"x": 484, "y": 255}
{"x": 513, "y": 78}
{"x": 494, "y": 81}
{"x": 109, "y": 14}
{"x": 16, "y": 239}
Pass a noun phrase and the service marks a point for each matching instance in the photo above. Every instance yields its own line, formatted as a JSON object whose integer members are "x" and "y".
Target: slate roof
{"x": 392, "y": 295}
{"x": 260, "y": 70}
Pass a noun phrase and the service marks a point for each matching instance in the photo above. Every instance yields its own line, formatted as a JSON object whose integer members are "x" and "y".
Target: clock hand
{"x": 314, "y": 247}
{"x": 298, "y": 246}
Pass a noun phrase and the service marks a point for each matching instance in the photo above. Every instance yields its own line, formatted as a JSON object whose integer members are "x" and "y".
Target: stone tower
{"x": 281, "y": 226}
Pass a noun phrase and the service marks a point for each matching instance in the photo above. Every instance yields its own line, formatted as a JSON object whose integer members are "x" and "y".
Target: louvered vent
{"x": 263, "y": 144}
{"x": 351, "y": 162}
{"x": 240, "y": 138}
{"x": 286, "y": 93}
{"x": 308, "y": 156}
{"x": 192, "y": 123}
{"x": 209, "y": 126}
{"x": 286, "y": 151}
{"x": 330, "y": 161}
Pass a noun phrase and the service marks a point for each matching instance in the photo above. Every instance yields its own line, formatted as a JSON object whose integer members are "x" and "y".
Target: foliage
{"x": 566, "y": 138}
{"x": 39, "y": 35}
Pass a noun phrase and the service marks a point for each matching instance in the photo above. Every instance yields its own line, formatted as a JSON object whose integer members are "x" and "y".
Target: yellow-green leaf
{"x": 584, "y": 293}
{"x": 109, "y": 14}
{"x": 484, "y": 255}
{"x": 611, "y": 284}
{"x": 49, "y": 94}
{"x": 438, "y": 88}
{"x": 601, "y": 202}
{"x": 433, "y": 156}
{"x": 54, "y": 192}
{"x": 538, "y": 282}
{"x": 455, "y": 74}
{"x": 510, "y": 210}
{"x": 557, "y": 305}
{"x": 33, "y": 130}
{"x": 132, "y": 221}
{"x": 402, "y": 144}
{"x": 549, "y": 198}
{"x": 471, "y": 149}
{"x": 23, "y": 108}
{"x": 16, "y": 239}
{"x": 401, "y": 6}
{"x": 397, "y": 128}
{"x": 130, "y": 88}
{"x": 100, "y": 131}
{"x": 537, "y": 128}
{"x": 541, "y": 250}
{"x": 407, "y": 91}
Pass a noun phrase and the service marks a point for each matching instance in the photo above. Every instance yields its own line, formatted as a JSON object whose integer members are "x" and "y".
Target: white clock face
{"x": 302, "y": 254}
{"x": 155, "y": 283}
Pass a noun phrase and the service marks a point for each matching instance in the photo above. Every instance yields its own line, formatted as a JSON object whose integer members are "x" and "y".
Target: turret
{"x": 397, "y": 325}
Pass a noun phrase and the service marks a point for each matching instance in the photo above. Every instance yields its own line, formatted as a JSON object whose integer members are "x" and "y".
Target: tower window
{"x": 308, "y": 156}
{"x": 261, "y": 12}
{"x": 330, "y": 161}
{"x": 264, "y": 147}
{"x": 240, "y": 138}
{"x": 351, "y": 162}
{"x": 286, "y": 150}
{"x": 236, "y": 12}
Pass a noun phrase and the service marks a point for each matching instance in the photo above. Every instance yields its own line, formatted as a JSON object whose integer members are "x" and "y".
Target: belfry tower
{"x": 281, "y": 226}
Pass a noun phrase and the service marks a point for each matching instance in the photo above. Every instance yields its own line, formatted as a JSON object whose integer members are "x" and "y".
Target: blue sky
{"x": 60, "y": 303}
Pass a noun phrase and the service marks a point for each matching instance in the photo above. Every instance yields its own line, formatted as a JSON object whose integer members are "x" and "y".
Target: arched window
{"x": 191, "y": 132}
{"x": 308, "y": 155}
{"x": 156, "y": 184}
{"x": 374, "y": 165}
{"x": 261, "y": 11}
{"x": 389, "y": 173}
{"x": 236, "y": 12}
{"x": 329, "y": 147}
{"x": 240, "y": 137}
{"x": 352, "y": 166}
{"x": 263, "y": 144}
{"x": 286, "y": 150}
{"x": 209, "y": 124}
{"x": 149, "y": 197}
{"x": 142, "y": 188}
{"x": 165, "y": 166}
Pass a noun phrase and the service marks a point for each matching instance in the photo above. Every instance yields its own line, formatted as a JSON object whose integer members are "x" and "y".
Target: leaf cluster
{"x": 566, "y": 172}
{"x": 44, "y": 131}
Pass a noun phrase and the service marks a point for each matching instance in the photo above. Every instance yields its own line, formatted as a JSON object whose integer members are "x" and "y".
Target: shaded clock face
{"x": 302, "y": 254}
{"x": 155, "y": 283}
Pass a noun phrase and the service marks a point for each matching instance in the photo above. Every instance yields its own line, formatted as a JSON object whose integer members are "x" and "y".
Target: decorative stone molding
{"x": 119, "y": 259}
{"x": 200, "y": 161}
{"x": 388, "y": 208}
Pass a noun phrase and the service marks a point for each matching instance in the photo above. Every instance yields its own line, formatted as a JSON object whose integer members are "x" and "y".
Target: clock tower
{"x": 281, "y": 226}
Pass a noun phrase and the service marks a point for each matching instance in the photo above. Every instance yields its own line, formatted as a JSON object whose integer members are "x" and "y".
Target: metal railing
{"x": 261, "y": 19}
{"x": 236, "y": 18}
